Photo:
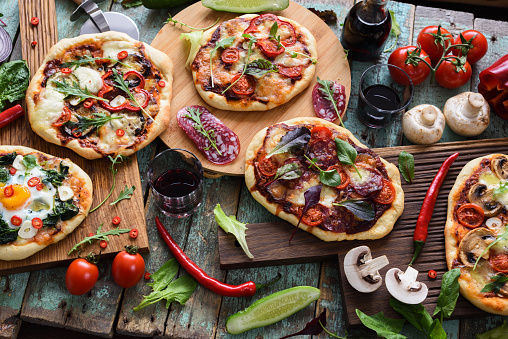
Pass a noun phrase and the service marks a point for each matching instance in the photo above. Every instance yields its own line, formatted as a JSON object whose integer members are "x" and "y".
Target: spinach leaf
{"x": 55, "y": 177}
{"x": 498, "y": 281}
{"x": 330, "y": 178}
{"x": 8, "y": 159}
{"x": 311, "y": 196}
{"x": 384, "y": 327}
{"x": 346, "y": 153}
{"x": 418, "y": 316}
{"x": 448, "y": 295}
{"x": 260, "y": 67}
{"x": 361, "y": 209}
{"x": 4, "y": 175}
{"x": 14, "y": 78}
{"x": 29, "y": 161}
{"x": 500, "y": 332}
{"x": 7, "y": 234}
{"x": 295, "y": 139}
{"x": 407, "y": 166}
{"x": 63, "y": 210}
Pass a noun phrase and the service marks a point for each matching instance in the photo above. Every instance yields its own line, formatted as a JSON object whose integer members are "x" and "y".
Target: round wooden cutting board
{"x": 332, "y": 65}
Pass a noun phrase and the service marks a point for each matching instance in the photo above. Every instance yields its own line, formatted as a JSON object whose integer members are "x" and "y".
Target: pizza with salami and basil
{"x": 304, "y": 161}
{"x": 254, "y": 62}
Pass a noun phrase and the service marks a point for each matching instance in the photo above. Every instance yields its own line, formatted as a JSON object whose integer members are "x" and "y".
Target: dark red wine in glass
{"x": 176, "y": 183}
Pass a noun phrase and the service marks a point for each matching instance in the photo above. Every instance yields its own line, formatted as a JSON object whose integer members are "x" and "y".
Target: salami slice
{"x": 324, "y": 107}
{"x": 218, "y": 142}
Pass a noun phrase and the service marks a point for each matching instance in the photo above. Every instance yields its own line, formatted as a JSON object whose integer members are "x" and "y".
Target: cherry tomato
{"x": 448, "y": 77}
{"x": 9, "y": 191}
{"x": 427, "y": 40}
{"x": 88, "y": 103}
{"x": 313, "y": 216}
{"x": 39, "y": 186}
{"x": 134, "y": 233}
{"x": 479, "y": 42}
{"x": 387, "y": 193}
{"x": 432, "y": 274}
{"x": 290, "y": 72}
{"x": 417, "y": 73}
{"x": 344, "y": 178}
{"x": 12, "y": 171}
{"x": 122, "y": 55}
{"x": 147, "y": 275}
{"x": 499, "y": 262}
{"x": 230, "y": 55}
{"x": 16, "y": 221}
{"x": 37, "y": 223}
{"x": 64, "y": 117}
{"x": 120, "y": 132}
{"x": 270, "y": 47}
{"x": 66, "y": 70}
{"x": 244, "y": 86}
{"x": 34, "y": 21}
{"x": 81, "y": 276}
{"x": 33, "y": 181}
{"x": 116, "y": 220}
{"x": 128, "y": 267}
{"x": 161, "y": 83}
{"x": 267, "y": 166}
{"x": 103, "y": 244}
{"x": 470, "y": 215}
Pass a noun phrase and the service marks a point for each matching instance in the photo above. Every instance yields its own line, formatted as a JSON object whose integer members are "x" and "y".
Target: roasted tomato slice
{"x": 244, "y": 86}
{"x": 320, "y": 132}
{"x": 230, "y": 55}
{"x": 387, "y": 194}
{"x": 66, "y": 116}
{"x": 290, "y": 72}
{"x": 313, "y": 216}
{"x": 470, "y": 215}
{"x": 499, "y": 262}
{"x": 344, "y": 178}
{"x": 267, "y": 166}
{"x": 270, "y": 47}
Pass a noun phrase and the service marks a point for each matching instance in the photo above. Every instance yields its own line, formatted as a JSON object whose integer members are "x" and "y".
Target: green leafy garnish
{"x": 194, "y": 38}
{"x": 288, "y": 172}
{"x": 327, "y": 90}
{"x": 330, "y": 178}
{"x": 498, "y": 281}
{"x": 395, "y": 31}
{"x": 85, "y": 123}
{"x": 195, "y": 115}
{"x": 407, "y": 166}
{"x": 74, "y": 91}
{"x": 14, "y": 79}
{"x": 163, "y": 288}
{"x": 29, "y": 161}
{"x": 361, "y": 209}
{"x": 346, "y": 153}
{"x": 8, "y": 159}
{"x": 233, "y": 226}
{"x": 170, "y": 19}
{"x": 252, "y": 40}
{"x": 449, "y": 293}
{"x": 384, "y": 327}
{"x": 4, "y": 175}
{"x": 273, "y": 34}
{"x": 56, "y": 177}
{"x": 126, "y": 193}
{"x": 294, "y": 139}
{"x": 131, "y": 3}
{"x": 260, "y": 67}
{"x": 121, "y": 85}
{"x": 7, "y": 234}
{"x": 503, "y": 187}
{"x": 500, "y": 237}
{"x": 87, "y": 59}
{"x": 294, "y": 54}
{"x": 63, "y": 210}
{"x": 99, "y": 236}
{"x": 224, "y": 43}
{"x": 118, "y": 159}
{"x": 418, "y": 316}
{"x": 500, "y": 332}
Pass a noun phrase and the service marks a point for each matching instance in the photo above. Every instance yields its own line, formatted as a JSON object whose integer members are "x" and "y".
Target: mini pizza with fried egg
{"x": 42, "y": 199}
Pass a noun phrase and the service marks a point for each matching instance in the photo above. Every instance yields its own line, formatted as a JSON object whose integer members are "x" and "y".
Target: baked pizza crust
{"x": 220, "y": 102}
{"x": 382, "y": 227}
{"x": 42, "y": 126}
{"x": 469, "y": 288}
{"x": 22, "y": 251}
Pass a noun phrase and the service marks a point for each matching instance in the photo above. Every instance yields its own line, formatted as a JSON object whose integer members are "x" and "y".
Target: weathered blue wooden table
{"x": 41, "y": 296}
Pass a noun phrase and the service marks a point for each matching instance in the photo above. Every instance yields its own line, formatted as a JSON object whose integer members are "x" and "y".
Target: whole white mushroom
{"x": 467, "y": 114}
{"x": 423, "y": 124}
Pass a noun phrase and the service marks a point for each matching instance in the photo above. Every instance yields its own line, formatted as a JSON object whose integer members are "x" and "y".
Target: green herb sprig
{"x": 75, "y": 91}
{"x": 170, "y": 19}
{"x": 503, "y": 187}
{"x": 84, "y": 123}
{"x": 99, "y": 236}
{"x": 407, "y": 166}
{"x": 224, "y": 43}
{"x": 86, "y": 59}
{"x": 195, "y": 115}
{"x": 498, "y": 281}
{"x": 260, "y": 67}
{"x": 126, "y": 193}
{"x": 252, "y": 40}
{"x": 273, "y": 36}
{"x": 330, "y": 178}
{"x": 117, "y": 160}
{"x": 346, "y": 154}
{"x": 499, "y": 238}
{"x": 327, "y": 90}
{"x": 395, "y": 31}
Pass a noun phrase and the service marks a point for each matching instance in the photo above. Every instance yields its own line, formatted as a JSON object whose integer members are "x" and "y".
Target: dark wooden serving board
{"x": 269, "y": 244}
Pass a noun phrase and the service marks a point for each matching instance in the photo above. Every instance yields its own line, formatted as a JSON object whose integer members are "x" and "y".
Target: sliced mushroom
{"x": 362, "y": 271}
{"x": 473, "y": 244}
{"x": 404, "y": 287}
{"x": 499, "y": 165}
{"x": 467, "y": 114}
{"x": 483, "y": 197}
{"x": 423, "y": 124}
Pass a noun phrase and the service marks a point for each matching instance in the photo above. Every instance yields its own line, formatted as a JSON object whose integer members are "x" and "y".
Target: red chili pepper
{"x": 34, "y": 43}
{"x": 120, "y": 132}
{"x": 494, "y": 86}
{"x": 126, "y": 104}
{"x": 147, "y": 275}
{"x": 37, "y": 223}
{"x": 16, "y": 221}
{"x": 134, "y": 233}
{"x": 33, "y": 181}
{"x": 161, "y": 83}
{"x": 422, "y": 224}
{"x": 88, "y": 103}
{"x": 66, "y": 70}
{"x": 34, "y": 21}
{"x": 90, "y": 234}
{"x": 103, "y": 244}
{"x": 11, "y": 114}
{"x": 9, "y": 191}
{"x": 432, "y": 274}
{"x": 39, "y": 186}
{"x": 122, "y": 55}
{"x": 214, "y": 285}
{"x": 116, "y": 220}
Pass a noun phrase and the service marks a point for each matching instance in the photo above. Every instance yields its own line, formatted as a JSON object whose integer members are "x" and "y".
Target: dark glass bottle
{"x": 366, "y": 29}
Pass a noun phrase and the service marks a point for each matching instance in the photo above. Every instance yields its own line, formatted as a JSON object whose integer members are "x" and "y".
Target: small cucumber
{"x": 157, "y": 4}
{"x": 242, "y": 6}
{"x": 272, "y": 308}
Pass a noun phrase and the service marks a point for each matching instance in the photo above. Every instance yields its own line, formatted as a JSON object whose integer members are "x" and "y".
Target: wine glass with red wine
{"x": 176, "y": 179}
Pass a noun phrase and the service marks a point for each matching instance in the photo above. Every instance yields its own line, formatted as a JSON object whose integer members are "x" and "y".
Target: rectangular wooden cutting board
{"x": 19, "y": 133}
{"x": 269, "y": 243}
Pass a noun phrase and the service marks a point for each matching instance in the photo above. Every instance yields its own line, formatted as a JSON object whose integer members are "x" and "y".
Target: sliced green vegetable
{"x": 233, "y": 226}
{"x": 242, "y": 6}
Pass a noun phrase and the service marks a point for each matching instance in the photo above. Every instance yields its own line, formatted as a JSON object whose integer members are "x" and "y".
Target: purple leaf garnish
{"x": 313, "y": 327}
{"x": 311, "y": 199}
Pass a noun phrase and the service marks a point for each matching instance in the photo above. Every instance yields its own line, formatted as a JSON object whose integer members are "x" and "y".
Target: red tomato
{"x": 270, "y": 47}
{"x": 267, "y": 167}
{"x": 387, "y": 193}
{"x": 128, "y": 267}
{"x": 427, "y": 40}
{"x": 479, "y": 42}
{"x": 81, "y": 276}
{"x": 344, "y": 178}
{"x": 447, "y": 75}
{"x": 313, "y": 216}
{"x": 499, "y": 262}
{"x": 230, "y": 55}
{"x": 244, "y": 86}
{"x": 417, "y": 73}
{"x": 470, "y": 215}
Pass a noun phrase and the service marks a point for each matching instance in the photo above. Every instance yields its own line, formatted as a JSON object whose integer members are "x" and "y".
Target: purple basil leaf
{"x": 313, "y": 327}
{"x": 311, "y": 199}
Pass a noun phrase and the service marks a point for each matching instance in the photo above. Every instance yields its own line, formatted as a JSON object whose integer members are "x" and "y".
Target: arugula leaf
{"x": 117, "y": 160}
{"x": 121, "y": 85}
{"x": 407, "y": 166}
{"x": 99, "y": 235}
{"x": 29, "y": 161}
{"x": 330, "y": 178}
{"x": 260, "y": 67}
{"x": 8, "y": 159}
{"x": 273, "y": 34}
{"x": 4, "y": 175}
{"x": 448, "y": 295}
{"x": 384, "y": 327}
{"x": 14, "y": 79}
{"x": 294, "y": 54}
{"x": 74, "y": 91}
{"x": 170, "y": 19}
{"x": 498, "y": 281}
{"x": 7, "y": 234}
{"x": 195, "y": 115}
{"x": 233, "y": 226}
{"x": 87, "y": 59}
{"x": 500, "y": 332}
{"x": 227, "y": 42}
{"x": 503, "y": 187}
{"x": 194, "y": 38}
{"x": 395, "y": 31}
{"x": 294, "y": 139}
{"x": 361, "y": 209}
{"x": 84, "y": 123}
{"x": 346, "y": 153}
{"x": 126, "y": 193}
{"x": 327, "y": 90}
{"x": 313, "y": 327}
{"x": 499, "y": 237}
{"x": 252, "y": 40}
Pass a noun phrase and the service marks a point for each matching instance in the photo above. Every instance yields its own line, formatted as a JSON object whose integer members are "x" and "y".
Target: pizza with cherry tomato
{"x": 101, "y": 95}
{"x": 476, "y": 232}
{"x": 42, "y": 200}
{"x": 254, "y": 62}
{"x": 318, "y": 176}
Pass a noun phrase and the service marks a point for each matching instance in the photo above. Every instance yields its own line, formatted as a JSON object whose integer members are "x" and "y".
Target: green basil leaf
{"x": 498, "y": 281}
{"x": 14, "y": 78}
{"x": 345, "y": 152}
{"x": 233, "y": 226}
{"x": 436, "y": 330}
{"x": 449, "y": 293}
{"x": 295, "y": 139}
{"x": 29, "y": 161}
{"x": 361, "y": 209}
{"x": 8, "y": 159}
{"x": 500, "y": 332}
{"x": 407, "y": 166}
{"x": 330, "y": 178}
{"x": 260, "y": 67}
{"x": 417, "y": 315}
{"x": 273, "y": 30}
{"x": 384, "y": 327}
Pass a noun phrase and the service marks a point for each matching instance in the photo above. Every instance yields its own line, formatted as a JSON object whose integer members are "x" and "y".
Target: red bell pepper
{"x": 494, "y": 86}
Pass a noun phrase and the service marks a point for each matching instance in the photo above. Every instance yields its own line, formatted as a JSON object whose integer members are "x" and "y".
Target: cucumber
{"x": 157, "y": 4}
{"x": 272, "y": 308}
{"x": 242, "y": 6}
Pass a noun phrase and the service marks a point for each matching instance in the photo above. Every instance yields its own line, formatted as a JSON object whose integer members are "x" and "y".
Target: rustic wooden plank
{"x": 12, "y": 289}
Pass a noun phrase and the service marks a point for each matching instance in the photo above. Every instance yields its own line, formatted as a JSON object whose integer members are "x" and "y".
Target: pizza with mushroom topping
{"x": 101, "y": 95}
{"x": 475, "y": 232}
{"x": 254, "y": 62}
{"x": 361, "y": 199}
